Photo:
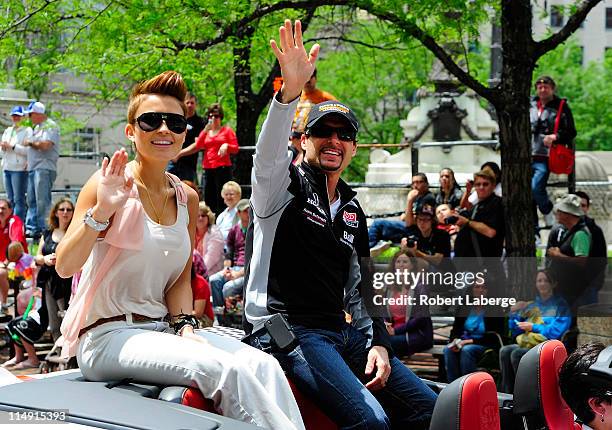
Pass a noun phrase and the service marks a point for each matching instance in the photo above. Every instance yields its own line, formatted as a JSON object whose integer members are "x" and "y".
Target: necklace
{"x": 151, "y": 200}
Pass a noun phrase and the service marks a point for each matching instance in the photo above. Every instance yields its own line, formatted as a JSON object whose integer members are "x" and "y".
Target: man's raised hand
{"x": 296, "y": 66}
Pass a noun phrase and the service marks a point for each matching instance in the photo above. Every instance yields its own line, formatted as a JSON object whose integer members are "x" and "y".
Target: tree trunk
{"x": 247, "y": 112}
{"x": 514, "y": 132}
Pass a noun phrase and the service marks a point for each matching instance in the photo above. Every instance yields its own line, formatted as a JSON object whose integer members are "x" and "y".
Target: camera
{"x": 464, "y": 213}
{"x": 451, "y": 220}
{"x": 411, "y": 241}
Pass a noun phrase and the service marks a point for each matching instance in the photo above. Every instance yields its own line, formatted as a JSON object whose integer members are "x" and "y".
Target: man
{"x": 417, "y": 197}
{"x": 185, "y": 167}
{"x": 43, "y": 152}
{"x": 230, "y": 280}
{"x": 598, "y": 256}
{"x": 11, "y": 230}
{"x": 310, "y": 96}
{"x": 569, "y": 259}
{"x": 482, "y": 233}
{"x": 543, "y": 114}
{"x": 382, "y": 232}
{"x": 15, "y": 161}
{"x": 304, "y": 250}
{"x": 426, "y": 242}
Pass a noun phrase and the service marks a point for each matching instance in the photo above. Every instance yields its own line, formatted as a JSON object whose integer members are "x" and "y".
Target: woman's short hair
{"x": 232, "y": 186}
{"x": 203, "y": 208}
{"x": 168, "y": 83}
{"x": 215, "y": 108}
{"x": 575, "y": 389}
{"x": 53, "y": 219}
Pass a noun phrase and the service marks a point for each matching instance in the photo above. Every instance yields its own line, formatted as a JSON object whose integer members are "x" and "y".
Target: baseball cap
{"x": 426, "y": 210}
{"x": 331, "y": 107}
{"x": 35, "y": 107}
{"x": 17, "y": 110}
{"x": 570, "y": 204}
{"x": 545, "y": 80}
{"x": 242, "y": 205}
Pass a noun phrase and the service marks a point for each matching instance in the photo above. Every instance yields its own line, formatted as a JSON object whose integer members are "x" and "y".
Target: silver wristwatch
{"x": 91, "y": 222}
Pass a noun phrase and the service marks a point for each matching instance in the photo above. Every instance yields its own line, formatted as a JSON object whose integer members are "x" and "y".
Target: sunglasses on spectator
{"x": 151, "y": 121}
{"x": 325, "y": 131}
{"x": 481, "y": 184}
{"x": 214, "y": 115}
{"x": 65, "y": 209}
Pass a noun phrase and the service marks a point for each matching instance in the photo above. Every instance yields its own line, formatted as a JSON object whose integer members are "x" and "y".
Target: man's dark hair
{"x": 421, "y": 175}
{"x": 8, "y": 203}
{"x": 545, "y": 79}
{"x": 585, "y": 196}
{"x": 191, "y": 95}
{"x": 576, "y": 390}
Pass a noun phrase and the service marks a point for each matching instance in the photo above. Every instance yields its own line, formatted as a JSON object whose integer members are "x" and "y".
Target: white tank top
{"x": 140, "y": 278}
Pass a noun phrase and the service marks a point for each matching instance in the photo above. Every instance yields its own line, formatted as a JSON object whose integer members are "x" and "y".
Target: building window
{"x": 609, "y": 18}
{"x": 85, "y": 141}
{"x": 556, "y": 16}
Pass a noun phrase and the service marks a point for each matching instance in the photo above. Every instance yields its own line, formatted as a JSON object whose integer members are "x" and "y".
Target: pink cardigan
{"x": 211, "y": 248}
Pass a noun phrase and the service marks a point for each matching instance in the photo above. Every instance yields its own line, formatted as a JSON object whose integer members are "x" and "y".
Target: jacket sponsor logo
{"x": 348, "y": 236}
{"x": 350, "y": 219}
{"x": 314, "y": 200}
{"x": 314, "y": 218}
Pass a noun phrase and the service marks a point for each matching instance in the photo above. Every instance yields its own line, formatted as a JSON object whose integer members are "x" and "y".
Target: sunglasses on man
{"x": 151, "y": 121}
{"x": 326, "y": 131}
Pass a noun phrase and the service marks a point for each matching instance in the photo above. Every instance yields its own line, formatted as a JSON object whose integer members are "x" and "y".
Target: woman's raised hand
{"x": 113, "y": 187}
{"x": 296, "y": 66}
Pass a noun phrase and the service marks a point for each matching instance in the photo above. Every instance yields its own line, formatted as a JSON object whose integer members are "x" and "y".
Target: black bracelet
{"x": 183, "y": 320}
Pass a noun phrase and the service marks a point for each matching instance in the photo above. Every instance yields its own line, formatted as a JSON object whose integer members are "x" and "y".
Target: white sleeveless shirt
{"x": 140, "y": 278}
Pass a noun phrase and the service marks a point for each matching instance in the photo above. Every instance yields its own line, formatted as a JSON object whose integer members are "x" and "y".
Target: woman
{"x": 137, "y": 269}
{"x": 410, "y": 328}
{"x": 231, "y": 194}
{"x": 56, "y": 290}
{"x": 450, "y": 191}
{"x": 15, "y": 161}
{"x": 548, "y": 317}
{"x": 209, "y": 240}
{"x": 218, "y": 142}
{"x": 471, "y": 335}
{"x": 587, "y": 395}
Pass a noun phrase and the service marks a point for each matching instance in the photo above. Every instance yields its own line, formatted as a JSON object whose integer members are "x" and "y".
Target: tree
{"x": 510, "y": 97}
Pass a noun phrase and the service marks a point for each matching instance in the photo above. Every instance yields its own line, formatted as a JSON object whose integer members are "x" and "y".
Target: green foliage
{"x": 587, "y": 89}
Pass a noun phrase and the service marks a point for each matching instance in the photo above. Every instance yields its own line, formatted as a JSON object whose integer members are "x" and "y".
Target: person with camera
{"x": 552, "y": 123}
{"x": 482, "y": 229}
{"x": 424, "y": 240}
{"x": 383, "y": 232}
{"x": 308, "y": 214}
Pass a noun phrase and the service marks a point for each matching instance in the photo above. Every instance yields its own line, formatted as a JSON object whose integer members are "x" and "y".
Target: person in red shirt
{"x": 218, "y": 142}
{"x": 11, "y": 230}
{"x": 202, "y": 305}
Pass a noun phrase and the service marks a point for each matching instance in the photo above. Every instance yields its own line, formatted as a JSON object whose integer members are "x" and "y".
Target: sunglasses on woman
{"x": 325, "y": 131}
{"x": 151, "y": 121}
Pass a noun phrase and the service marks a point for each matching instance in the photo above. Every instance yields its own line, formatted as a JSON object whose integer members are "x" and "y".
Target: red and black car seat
{"x": 467, "y": 403}
{"x": 537, "y": 396}
{"x": 314, "y": 418}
